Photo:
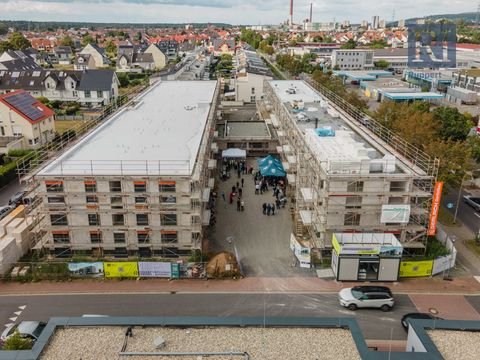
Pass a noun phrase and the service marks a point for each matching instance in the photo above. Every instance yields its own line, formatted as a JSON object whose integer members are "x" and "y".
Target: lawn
{"x": 446, "y": 217}
{"x": 473, "y": 246}
{"x": 63, "y": 125}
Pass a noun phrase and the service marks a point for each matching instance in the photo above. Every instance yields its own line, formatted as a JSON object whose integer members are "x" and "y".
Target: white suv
{"x": 379, "y": 297}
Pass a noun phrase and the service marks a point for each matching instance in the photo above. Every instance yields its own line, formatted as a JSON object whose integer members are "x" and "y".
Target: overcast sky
{"x": 228, "y": 11}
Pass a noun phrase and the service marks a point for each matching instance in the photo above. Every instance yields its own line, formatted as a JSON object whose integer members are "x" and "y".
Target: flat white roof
{"x": 160, "y": 135}
{"x": 302, "y": 91}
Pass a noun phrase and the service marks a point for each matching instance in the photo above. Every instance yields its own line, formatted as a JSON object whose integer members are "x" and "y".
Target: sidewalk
{"x": 462, "y": 285}
{"x": 465, "y": 256}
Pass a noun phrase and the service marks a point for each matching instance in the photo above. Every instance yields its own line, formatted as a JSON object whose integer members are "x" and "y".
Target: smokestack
{"x": 311, "y": 6}
{"x": 291, "y": 12}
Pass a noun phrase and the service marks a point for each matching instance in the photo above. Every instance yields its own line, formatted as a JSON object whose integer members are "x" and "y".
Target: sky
{"x": 254, "y": 12}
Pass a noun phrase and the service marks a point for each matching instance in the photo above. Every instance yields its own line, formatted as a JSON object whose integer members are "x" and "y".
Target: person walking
{"x": 223, "y": 196}
{"x": 242, "y": 205}
{"x": 242, "y": 182}
{"x": 238, "y": 185}
{"x": 277, "y": 202}
{"x": 240, "y": 191}
{"x": 257, "y": 188}
{"x": 230, "y": 198}
{"x": 273, "y": 209}
{"x": 238, "y": 204}
{"x": 269, "y": 209}
{"x": 264, "y": 206}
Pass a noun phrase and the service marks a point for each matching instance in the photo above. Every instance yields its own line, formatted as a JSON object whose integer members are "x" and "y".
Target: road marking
{"x": 7, "y": 325}
{"x": 22, "y": 307}
{"x": 17, "y": 313}
{"x": 13, "y": 318}
{"x": 476, "y": 215}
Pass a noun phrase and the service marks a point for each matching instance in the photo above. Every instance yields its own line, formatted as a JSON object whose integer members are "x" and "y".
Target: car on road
{"x": 17, "y": 199}
{"x": 379, "y": 297}
{"x": 410, "y": 316}
{"x": 5, "y": 210}
{"x": 26, "y": 329}
{"x": 302, "y": 117}
{"x": 472, "y": 201}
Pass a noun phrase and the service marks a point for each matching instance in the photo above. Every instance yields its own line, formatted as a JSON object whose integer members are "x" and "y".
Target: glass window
{"x": 118, "y": 219}
{"x": 90, "y": 186}
{"x": 351, "y": 219}
{"x": 167, "y": 186}
{"x": 140, "y": 186}
{"x": 169, "y": 237}
{"x": 58, "y": 219}
{"x": 140, "y": 200}
{"x": 95, "y": 237}
{"x": 56, "y": 200}
{"x": 170, "y": 199}
{"x": 143, "y": 237}
{"x": 54, "y": 186}
{"x": 117, "y": 202}
{"x": 61, "y": 238}
{"x": 168, "y": 219}
{"x": 99, "y": 94}
{"x": 92, "y": 199}
{"x": 356, "y": 186}
{"x": 93, "y": 219}
{"x": 119, "y": 237}
{"x": 142, "y": 219}
{"x": 115, "y": 186}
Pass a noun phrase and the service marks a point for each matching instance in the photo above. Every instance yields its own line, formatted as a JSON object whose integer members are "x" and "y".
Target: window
{"x": 256, "y": 145}
{"x": 117, "y": 202}
{"x": 119, "y": 237}
{"x": 168, "y": 219}
{"x": 143, "y": 237}
{"x": 92, "y": 199}
{"x": 167, "y": 186}
{"x": 87, "y": 94}
{"x": 169, "y": 237}
{"x": 93, "y": 219}
{"x": 61, "y": 237}
{"x": 352, "y": 219}
{"x": 142, "y": 219}
{"x": 90, "y": 186}
{"x": 56, "y": 200}
{"x": 115, "y": 186}
{"x": 398, "y": 186}
{"x": 140, "y": 200}
{"x": 353, "y": 202}
{"x": 253, "y": 91}
{"x": 170, "y": 199}
{"x": 356, "y": 186}
{"x": 95, "y": 237}
{"x": 99, "y": 94}
{"x": 54, "y": 186}
{"x": 140, "y": 186}
{"x": 118, "y": 219}
{"x": 58, "y": 219}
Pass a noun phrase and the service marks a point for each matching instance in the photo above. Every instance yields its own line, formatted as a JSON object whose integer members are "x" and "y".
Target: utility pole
{"x": 477, "y": 20}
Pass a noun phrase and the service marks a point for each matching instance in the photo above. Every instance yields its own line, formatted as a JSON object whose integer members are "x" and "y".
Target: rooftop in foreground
{"x": 159, "y": 135}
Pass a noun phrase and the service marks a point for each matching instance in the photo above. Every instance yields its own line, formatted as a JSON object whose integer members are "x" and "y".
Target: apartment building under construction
{"x": 139, "y": 184}
{"x": 348, "y": 175}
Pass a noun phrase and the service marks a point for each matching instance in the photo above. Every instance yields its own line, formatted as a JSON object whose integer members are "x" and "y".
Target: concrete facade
{"x": 353, "y": 59}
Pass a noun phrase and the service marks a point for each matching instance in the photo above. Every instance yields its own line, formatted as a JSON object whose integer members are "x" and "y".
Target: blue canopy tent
{"x": 269, "y": 160}
{"x": 272, "y": 169}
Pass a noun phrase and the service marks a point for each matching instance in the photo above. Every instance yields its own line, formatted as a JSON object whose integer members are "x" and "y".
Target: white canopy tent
{"x": 234, "y": 153}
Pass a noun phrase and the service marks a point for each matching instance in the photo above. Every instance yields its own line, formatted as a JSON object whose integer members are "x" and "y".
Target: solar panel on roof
{"x": 23, "y": 102}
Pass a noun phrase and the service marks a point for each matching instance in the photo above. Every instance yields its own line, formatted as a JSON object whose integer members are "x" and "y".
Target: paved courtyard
{"x": 262, "y": 243}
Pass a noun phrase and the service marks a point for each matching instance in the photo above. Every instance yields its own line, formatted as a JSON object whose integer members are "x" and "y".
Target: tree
{"x": 67, "y": 41}
{"x": 3, "y": 29}
{"x": 454, "y": 125}
{"x": 474, "y": 143}
{"x": 18, "y": 41}
{"x": 382, "y": 64}
{"x": 110, "y": 47}
{"x": 16, "y": 342}
{"x": 4, "y": 46}
{"x": 88, "y": 39}
{"x": 350, "y": 44}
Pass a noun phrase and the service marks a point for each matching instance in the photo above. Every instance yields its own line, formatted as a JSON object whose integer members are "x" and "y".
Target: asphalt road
{"x": 8, "y": 190}
{"x": 375, "y": 324}
{"x": 466, "y": 214}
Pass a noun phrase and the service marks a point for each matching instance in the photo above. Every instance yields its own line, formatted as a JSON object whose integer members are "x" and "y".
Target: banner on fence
{"x": 442, "y": 264}
{"x": 155, "y": 269}
{"x": 175, "y": 271}
{"x": 120, "y": 269}
{"x": 192, "y": 270}
{"x": 93, "y": 269}
{"x": 416, "y": 268}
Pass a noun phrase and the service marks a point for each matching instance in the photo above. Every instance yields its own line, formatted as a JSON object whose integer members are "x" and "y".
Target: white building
{"x": 375, "y": 22}
{"x": 352, "y": 59}
{"x": 139, "y": 183}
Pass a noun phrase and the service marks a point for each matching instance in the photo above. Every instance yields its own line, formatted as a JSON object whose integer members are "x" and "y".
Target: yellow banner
{"x": 416, "y": 268}
{"x": 120, "y": 269}
{"x": 335, "y": 244}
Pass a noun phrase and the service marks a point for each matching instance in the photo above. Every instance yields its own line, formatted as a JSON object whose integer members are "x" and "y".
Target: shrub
{"x": 16, "y": 342}
{"x": 8, "y": 173}
{"x": 19, "y": 152}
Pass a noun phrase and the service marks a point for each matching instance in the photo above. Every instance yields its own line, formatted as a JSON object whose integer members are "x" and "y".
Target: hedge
{"x": 8, "y": 173}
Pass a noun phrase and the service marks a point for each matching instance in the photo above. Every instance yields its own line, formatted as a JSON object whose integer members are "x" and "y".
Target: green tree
{"x": 110, "y": 48}
{"x": 16, "y": 342}
{"x": 4, "y": 46}
{"x": 350, "y": 44}
{"x": 67, "y": 41}
{"x": 382, "y": 64}
{"x": 474, "y": 143}
{"x": 3, "y": 29}
{"x": 87, "y": 39}
{"x": 378, "y": 44}
{"x": 18, "y": 41}
{"x": 454, "y": 125}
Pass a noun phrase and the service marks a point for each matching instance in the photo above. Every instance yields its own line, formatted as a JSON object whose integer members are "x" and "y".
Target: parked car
{"x": 379, "y": 297}
{"x": 409, "y": 316}
{"x": 27, "y": 329}
{"x": 302, "y": 117}
{"x": 5, "y": 210}
{"x": 472, "y": 201}
{"x": 17, "y": 199}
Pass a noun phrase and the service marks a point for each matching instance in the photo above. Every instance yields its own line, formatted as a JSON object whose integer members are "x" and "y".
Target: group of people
{"x": 237, "y": 192}
{"x": 268, "y": 209}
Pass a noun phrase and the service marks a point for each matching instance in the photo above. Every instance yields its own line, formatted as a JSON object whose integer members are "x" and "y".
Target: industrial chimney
{"x": 291, "y": 12}
{"x": 311, "y": 6}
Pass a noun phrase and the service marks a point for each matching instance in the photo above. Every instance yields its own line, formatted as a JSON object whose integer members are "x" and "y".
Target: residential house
{"x": 250, "y": 76}
{"x": 21, "y": 115}
{"x": 42, "y": 44}
{"x": 98, "y": 55}
{"x": 169, "y": 48}
{"x": 223, "y": 46}
{"x": 63, "y": 54}
{"x": 89, "y": 88}
{"x": 159, "y": 58}
{"x": 16, "y": 60}
{"x": 131, "y": 58}
{"x": 84, "y": 62}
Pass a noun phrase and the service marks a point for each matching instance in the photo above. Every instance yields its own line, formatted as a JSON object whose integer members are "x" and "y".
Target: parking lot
{"x": 261, "y": 242}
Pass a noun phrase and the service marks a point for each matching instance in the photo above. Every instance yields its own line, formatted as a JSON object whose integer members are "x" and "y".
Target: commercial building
{"x": 139, "y": 183}
{"x": 346, "y": 177}
{"x": 467, "y": 79}
{"x": 375, "y": 22}
{"x": 352, "y": 59}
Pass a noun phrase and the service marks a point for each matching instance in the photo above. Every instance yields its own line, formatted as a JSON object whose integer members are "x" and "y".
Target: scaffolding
{"x": 321, "y": 208}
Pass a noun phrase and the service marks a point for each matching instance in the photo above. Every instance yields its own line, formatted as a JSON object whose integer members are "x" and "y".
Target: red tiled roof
{"x": 47, "y": 112}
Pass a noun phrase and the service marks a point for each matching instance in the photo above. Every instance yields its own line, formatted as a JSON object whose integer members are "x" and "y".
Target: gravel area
{"x": 99, "y": 343}
{"x": 454, "y": 345}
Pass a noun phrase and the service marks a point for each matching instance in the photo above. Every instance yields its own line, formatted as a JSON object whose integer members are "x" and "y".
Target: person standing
{"x": 242, "y": 182}
{"x": 273, "y": 209}
{"x": 238, "y": 185}
{"x": 240, "y": 191}
{"x": 269, "y": 208}
{"x": 264, "y": 209}
{"x": 242, "y": 205}
{"x": 238, "y": 204}
{"x": 230, "y": 198}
